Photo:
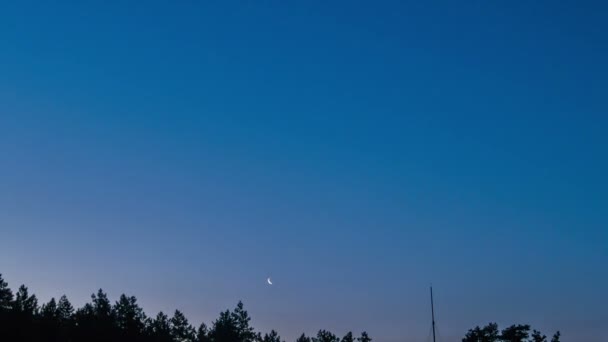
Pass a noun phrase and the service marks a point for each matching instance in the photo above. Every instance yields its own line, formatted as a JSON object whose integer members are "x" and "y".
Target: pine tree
{"x": 515, "y": 333}
{"x": 325, "y": 336}
{"x": 65, "y": 310}
{"x": 6, "y": 307}
{"x": 24, "y": 303}
{"x": 130, "y": 318}
{"x": 303, "y": 338}
{"x": 23, "y": 313}
{"x": 538, "y": 337}
{"x": 489, "y": 333}
{"x": 65, "y": 316}
{"x": 49, "y": 311}
{"x": 95, "y": 321}
{"x": 225, "y": 329}
{"x": 160, "y": 328}
{"x": 364, "y": 337}
{"x": 6, "y": 296}
{"x": 241, "y": 318}
{"x": 202, "y": 334}
{"x": 348, "y": 337}
{"x": 49, "y": 322}
{"x": 101, "y": 305}
{"x": 181, "y": 330}
{"x": 272, "y": 337}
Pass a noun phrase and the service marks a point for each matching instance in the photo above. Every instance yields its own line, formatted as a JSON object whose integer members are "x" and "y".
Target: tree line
{"x": 513, "y": 333}
{"x": 23, "y": 320}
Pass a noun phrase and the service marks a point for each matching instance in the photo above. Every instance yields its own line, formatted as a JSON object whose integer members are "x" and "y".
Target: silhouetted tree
{"x": 24, "y": 303}
{"x": 202, "y": 334}
{"x": 6, "y": 306}
{"x": 160, "y": 328}
{"x": 325, "y": 336}
{"x": 225, "y": 329}
{"x": 49, "y": 322}
{"x": 48, "y": 311}
{"x": 21, "y": 320}
{"x": 364, "y": 337}
{"x": 538, "y": 337}
{"x": 181, "y": 330}
{"x": 272, "y": 337}
{"x": 101, "y": 306}
{"x": 95, "y": 321}
{"x": 241, "y": 318}
{"x": 303, "y": 338}
{"x": 65, "y": 310}
{"x": 22, "y": 316}
{"x": 515, "y": 333}
{"x": 348, "y": 337}
{"x": 65, "y": 316}
{"x": 104, "y": 318}
{"x": 6, "y": 296}
{"x": 84, "y": 324}
{"x": 130, "y": 319}
{"x": 474, "y": 335}
{"x": 489, "y": 333}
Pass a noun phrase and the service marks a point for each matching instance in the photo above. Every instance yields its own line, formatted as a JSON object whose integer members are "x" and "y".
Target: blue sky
{"x": 354, "y": 152}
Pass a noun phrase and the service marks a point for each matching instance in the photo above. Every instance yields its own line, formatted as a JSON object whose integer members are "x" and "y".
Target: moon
{"x": 269, "y": 281}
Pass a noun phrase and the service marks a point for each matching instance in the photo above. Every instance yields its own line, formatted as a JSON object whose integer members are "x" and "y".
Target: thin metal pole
{"x": 433, "y": 313}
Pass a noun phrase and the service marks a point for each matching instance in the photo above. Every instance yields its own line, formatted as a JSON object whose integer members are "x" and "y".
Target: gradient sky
{"x": 183, "y": 151}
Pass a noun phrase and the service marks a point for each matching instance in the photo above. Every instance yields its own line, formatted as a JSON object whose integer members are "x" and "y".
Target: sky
{"x": 355, "y": 152}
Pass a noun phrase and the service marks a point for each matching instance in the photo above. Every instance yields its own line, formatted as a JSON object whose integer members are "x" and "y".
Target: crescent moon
{"x": 268, "y": 281}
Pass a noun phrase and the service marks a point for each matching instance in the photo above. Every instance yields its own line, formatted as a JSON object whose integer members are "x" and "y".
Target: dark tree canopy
{"x": 129, "y": 319}
{"x": 303, "y": 338}
{"x": 325, "y": 336}
{"x": 24, "y": 303}
{"x": 489, "y": 333}
{"x": 202, "y": 334}
{"x": 364, "y": 337}
{"x": 513, "y": 333}
{"x": 348, "y": 337}
{"x": 159, "y": 329}
{"x": 6, "y": 296}
{"x": 245, "y": 332}
{"x": 225, "y": 329}
{"x": 48, "y": 311}
{"x": 22, "y": 320}
{"x": 102, "y": 309}
{"x": 181, "y": 330}
{"x": 65, "y": 310}
{"x": 537, "y": 336}
{"x": 272, "y": 337}
{"x": 516, "y": 333}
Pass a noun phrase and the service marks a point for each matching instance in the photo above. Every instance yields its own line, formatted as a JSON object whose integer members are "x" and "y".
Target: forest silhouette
{"x": 23, "y": 320}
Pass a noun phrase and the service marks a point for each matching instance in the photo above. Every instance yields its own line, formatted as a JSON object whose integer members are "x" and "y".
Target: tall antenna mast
{"x": 433, "y": 313}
